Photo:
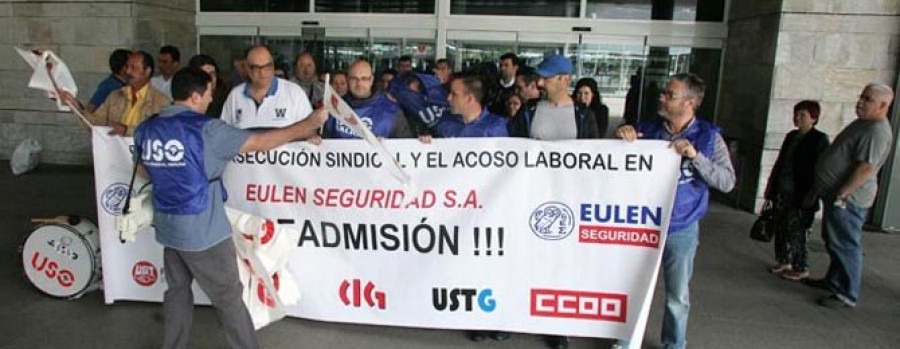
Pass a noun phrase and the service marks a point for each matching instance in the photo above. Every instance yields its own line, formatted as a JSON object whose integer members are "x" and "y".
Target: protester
{"x": 339, "y": 82}
{"x": 239, "y": 71}
{"x": 845, "y": 179}
{"x": 125, "y": 108}
{"x": 705, "y": 163}
{"x": 384, "y": 80}
{"x": 558, "y": 117}
{"x": 220, "y": 91}
{"x": 509, "y": 66}
{"x": 305, "y": 76}
{"x": 513, "y": 104}
{"x": 443, "y": 71}
{"x": 168, "y": 61}
{"x": 527, "y": 85}
{"x": 587, "y": 93}
{"x": 383, "y": 117}
{"x": 189, "y": 214}
{"x": 404, "y": 64}
{"x": 118, "y": 77}
{"x": 265, "y": 101}
{"x": 789, "y": 184}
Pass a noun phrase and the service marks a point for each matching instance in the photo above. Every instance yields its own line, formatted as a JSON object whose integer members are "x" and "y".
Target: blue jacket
{"x": 487, "y": 125}
{"x": 425, "y": 108}
{"x": 692, "y": 195}
{"x": 172, "y": 153}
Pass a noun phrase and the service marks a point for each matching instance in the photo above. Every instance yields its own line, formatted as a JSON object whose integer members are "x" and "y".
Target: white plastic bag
{"x": 26, "y": 156}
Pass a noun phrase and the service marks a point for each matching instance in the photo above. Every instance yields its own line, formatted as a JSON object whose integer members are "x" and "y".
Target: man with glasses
{"x": 265, "y": 101}
{"x": 383, "y": 116}
{"x": 558, "y": 117}
{"x": 704, "y": 163}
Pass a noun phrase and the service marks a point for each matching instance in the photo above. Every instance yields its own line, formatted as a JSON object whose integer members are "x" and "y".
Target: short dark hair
{"x": 512, "y": 56}
{"x": 171, "y": 51}
{"x": 188, "y": 81}
{"x": 147, "y": 60}
{"x": 474, "y": 85}
{"x": 406, "y": 58}
{"x": 812, "y": 107}
{"x": 338, "y": 72}
{"x": 695, "y": 85}
{"x": 200, "y": 60}
{"x": 442, "y": 60}
{"x": 117, "y": 60}
{"x": 528, "y": 74}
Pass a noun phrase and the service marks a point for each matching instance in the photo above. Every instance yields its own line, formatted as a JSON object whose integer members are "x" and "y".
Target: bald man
{"x": 383, "y": 116}
{"x": 305, "y": 76}
{"x": 846, "y": 182}
{"x": 265, "y": 101}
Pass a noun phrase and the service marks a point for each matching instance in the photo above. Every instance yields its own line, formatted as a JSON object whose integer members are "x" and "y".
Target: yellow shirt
{"x": 132, "y": 116}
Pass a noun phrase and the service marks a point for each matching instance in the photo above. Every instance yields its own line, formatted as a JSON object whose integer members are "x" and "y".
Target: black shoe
{"x": 558, "y": 342}
{"x": 817, "y": 283}
{"x": 500, "y": 336}
{"x": 477, "y": 336}
{"x": 834, "y": 302}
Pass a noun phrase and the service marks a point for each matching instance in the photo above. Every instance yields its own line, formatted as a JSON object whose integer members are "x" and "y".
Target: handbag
{"x": 763, "y": 229}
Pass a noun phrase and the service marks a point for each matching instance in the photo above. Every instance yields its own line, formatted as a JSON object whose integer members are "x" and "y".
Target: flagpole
{"x": 56, "y": 89}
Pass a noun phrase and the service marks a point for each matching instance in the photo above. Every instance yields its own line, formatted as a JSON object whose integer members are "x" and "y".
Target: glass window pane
{"x": 224, "y": 49}
{"x": 612, "y": 66}
{"x": 373, "y": 6}
{"x": 465, "y": 55}
{"x": 546, "y": 8}
{"x": 665, "y": 10}
{"x": 254, "y": 5}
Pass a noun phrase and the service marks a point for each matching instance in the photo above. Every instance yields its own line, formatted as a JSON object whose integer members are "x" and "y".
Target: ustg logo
{"x": 52, "y": 270}
{"x": 357, "y": 293}
{"x": 449, "y": 299}
{"x": 280, "y": 113}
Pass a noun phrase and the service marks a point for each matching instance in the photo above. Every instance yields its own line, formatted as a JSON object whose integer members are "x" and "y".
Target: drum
{"x": 63, "y": 260}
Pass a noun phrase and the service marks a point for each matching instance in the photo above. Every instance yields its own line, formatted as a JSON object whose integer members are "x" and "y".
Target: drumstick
{"x": 70, "y": 220}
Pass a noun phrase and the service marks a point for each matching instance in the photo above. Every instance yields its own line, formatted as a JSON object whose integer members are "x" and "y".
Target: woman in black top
{"x": 789, "y": 183}
{"x": 586, "y": 93}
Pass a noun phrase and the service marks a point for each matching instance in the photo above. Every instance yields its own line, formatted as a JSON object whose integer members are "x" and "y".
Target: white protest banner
{"x": 504, "y": 234}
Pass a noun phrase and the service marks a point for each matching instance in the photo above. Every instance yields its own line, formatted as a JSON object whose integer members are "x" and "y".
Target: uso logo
{"x": 144, "y": 273}
{"x": 552, "y": 221}
{"x": 113, "y": 198}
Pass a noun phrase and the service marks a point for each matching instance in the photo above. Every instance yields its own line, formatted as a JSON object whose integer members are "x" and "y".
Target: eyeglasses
{"x": 671, "y": 95}
{"x": 254, "y": 67}
{"x": 358, "y": 78}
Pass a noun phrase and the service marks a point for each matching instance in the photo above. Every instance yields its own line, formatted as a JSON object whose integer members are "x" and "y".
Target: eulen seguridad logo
{"x": 630, "y": 225}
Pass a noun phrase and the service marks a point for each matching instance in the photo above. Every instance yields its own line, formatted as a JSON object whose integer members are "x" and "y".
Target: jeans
{"x": 678, "y": 266}
{"x": 842, "y": 232}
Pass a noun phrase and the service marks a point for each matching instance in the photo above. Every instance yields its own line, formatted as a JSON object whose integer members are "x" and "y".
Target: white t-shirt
{"x": 162, "y": 85}
{"x": 285, "y": 103}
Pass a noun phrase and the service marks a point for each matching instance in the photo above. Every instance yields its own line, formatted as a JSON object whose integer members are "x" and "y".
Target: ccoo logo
{"x": 144, "y": 273}
{"x": 552, "y": 221}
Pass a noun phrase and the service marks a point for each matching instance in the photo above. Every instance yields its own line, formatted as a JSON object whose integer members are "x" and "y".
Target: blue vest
{"x": 487, "y": 125}
{"x": 377, "y": 114}
{"x": 171, "y": 150}
{"x": 692, "y": 195}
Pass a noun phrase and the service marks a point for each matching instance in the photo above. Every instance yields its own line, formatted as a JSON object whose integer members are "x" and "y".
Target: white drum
{"x": 63, "y": 260}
